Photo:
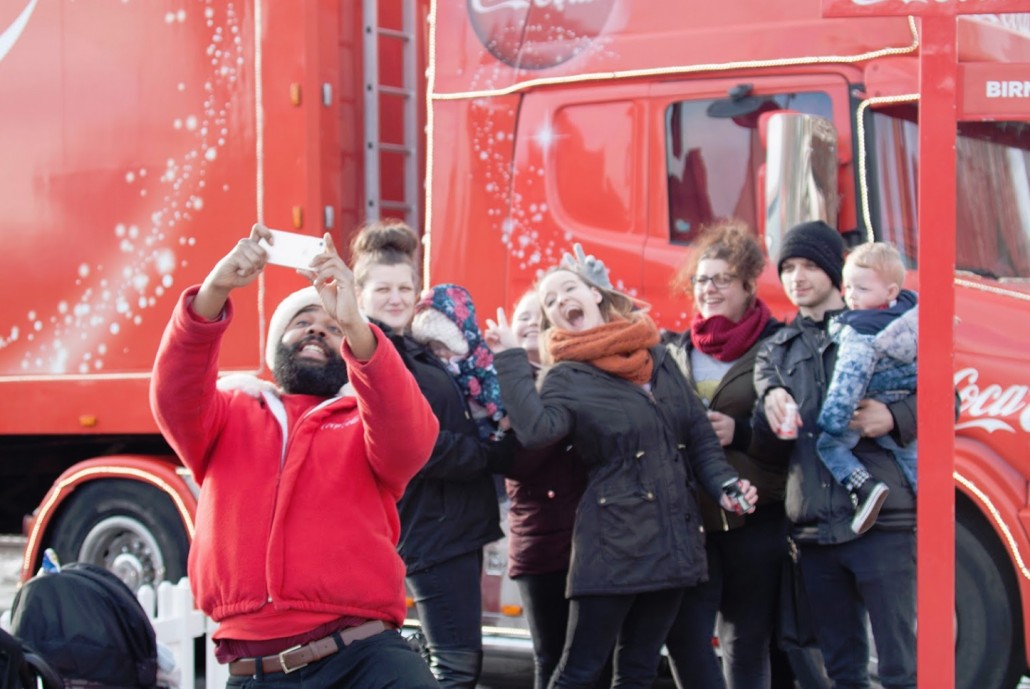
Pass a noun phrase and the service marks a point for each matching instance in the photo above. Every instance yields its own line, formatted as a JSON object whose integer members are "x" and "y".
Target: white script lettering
{"x": 992, "y": 407}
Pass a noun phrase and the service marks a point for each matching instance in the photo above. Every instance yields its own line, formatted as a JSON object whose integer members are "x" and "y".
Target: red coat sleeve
{"x": 187, "y": 407}
{"x": 400, "y": 427}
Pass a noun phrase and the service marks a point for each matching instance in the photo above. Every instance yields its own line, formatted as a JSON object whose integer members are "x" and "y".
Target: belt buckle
{"x": 282, "y": 660}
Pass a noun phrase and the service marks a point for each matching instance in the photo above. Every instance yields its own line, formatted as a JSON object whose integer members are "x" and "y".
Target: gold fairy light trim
{"x": 863, "y": 182}
{"x": 427, "y": 243}
{"x": 685, "y": 69}
{"x": 101, "y": 472}
{"x": 997, "y": 518}
{"x": 993, "y": 289}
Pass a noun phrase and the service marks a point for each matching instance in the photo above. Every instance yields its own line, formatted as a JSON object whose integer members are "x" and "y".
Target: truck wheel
{"x": 988, "y": 634}
{"x": 127, "y": 527}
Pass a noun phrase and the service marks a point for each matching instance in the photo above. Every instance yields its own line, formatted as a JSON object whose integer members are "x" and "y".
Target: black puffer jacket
{"x": 800, "y": 358}
{"x": 734, "y": 396}
{"x": 450, "y": 507}
{"x": 638, "y": 527}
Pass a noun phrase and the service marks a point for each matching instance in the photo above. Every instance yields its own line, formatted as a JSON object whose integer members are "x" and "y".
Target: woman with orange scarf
{"x": 647, "y": 443}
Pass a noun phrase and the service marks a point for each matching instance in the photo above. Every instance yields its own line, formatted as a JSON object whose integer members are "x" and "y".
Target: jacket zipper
{"x": 278, "y": 410}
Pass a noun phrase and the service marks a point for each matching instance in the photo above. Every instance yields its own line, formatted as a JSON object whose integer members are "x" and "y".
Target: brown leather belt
{"x": 300, "y": 656}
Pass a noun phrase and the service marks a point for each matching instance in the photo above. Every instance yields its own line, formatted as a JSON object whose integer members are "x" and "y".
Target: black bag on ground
{"x": 795, "y": 628}
{"x": 20, "y": 667}
{"x": 88, "y": 625}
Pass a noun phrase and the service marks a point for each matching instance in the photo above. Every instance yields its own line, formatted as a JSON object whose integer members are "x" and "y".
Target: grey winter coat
{"x": 879, "y": 365}
{"x": 800, "y": 358}
{"x": 638, "y": 527}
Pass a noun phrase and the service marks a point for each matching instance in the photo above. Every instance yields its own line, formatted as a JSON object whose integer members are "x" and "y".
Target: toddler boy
{"x": 876, "y": 358}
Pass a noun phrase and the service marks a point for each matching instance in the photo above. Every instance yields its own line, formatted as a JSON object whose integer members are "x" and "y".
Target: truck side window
{"x": 594, "y": 159}
{"x": 895, "y": 150}
{"x": 712, "y": 162}
{"x": 992, "y": 203}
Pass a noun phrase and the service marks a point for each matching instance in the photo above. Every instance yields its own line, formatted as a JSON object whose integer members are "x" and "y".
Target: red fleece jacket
{"x": 297, "y": 514}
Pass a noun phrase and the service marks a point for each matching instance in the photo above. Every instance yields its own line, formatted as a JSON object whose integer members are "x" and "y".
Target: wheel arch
{"x": 990, "y": 497}
{"x": 163, "y": 473}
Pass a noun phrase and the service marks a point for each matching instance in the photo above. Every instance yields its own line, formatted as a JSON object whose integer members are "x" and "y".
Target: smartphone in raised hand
{"x": 292, "y": 249}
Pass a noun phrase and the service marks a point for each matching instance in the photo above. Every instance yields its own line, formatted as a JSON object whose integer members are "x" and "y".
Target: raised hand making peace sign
{"x": 499, "y": 335}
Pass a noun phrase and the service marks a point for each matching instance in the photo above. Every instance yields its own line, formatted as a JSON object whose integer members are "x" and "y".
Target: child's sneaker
{"x": 868, "y": 499}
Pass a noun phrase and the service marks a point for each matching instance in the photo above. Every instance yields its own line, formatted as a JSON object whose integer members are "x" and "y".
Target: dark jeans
{"x": 743, "y": 586}
{"x": 383, "y": 661}
{"x": 689, "y": 644}
{"x": 836, "y": 454}
{"x": 450, "y": 607}
{"x": 875, "y": 573}
{"x": 547, "y": 612}
{"x": 635, "y": 625}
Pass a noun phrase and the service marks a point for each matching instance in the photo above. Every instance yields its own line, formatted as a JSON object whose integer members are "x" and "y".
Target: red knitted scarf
{"x": 621, "y": 348}
{"x": 721, "y": 338}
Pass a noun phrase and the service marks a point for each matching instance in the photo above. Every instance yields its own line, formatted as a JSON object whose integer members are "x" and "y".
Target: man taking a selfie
{"x": 295, "y": 547}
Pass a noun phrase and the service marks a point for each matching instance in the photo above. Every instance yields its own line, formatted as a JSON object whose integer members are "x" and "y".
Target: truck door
{"x": 579, "y": 176}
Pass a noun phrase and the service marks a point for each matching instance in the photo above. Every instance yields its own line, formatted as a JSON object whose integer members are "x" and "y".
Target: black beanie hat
{"x": 819, "y": 243}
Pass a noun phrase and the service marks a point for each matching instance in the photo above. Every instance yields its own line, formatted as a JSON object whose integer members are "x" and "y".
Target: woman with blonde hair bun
{"x": 449, "y": 510}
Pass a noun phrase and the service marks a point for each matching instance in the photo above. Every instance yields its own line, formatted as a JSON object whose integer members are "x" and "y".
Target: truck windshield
{"x": 713, "y": 162}
{"x": 993, "y": 200}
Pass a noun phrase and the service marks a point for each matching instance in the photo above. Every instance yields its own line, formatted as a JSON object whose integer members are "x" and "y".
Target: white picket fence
{"x": 177, "y": 624}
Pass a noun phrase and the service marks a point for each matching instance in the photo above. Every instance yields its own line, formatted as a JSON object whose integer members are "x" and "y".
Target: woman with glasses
{"x": 745, "y": 552}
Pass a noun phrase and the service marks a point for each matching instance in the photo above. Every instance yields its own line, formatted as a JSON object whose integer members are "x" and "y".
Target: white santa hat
{"x": 430, "y": 325}
{"x": 284, "y": 313}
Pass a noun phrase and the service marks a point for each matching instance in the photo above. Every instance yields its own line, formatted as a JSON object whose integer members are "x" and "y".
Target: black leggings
{"x": 547, "y": 612}
{"x": 637, "y": 623}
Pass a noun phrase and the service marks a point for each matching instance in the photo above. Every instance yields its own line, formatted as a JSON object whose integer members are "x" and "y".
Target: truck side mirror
{"x": 800, "y": 173}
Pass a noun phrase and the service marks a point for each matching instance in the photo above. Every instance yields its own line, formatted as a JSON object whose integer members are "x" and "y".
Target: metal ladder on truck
{"x": 392, "y": 186}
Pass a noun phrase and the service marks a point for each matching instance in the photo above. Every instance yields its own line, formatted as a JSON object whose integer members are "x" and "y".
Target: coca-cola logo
{"x": 537, "y": 34}
{"x": 991, "y": 407}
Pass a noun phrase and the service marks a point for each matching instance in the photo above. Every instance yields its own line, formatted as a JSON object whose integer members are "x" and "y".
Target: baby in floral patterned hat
{"x": 445, "y": 321}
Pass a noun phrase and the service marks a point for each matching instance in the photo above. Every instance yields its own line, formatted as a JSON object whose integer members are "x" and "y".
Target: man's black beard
{"x": 305, "y": 377}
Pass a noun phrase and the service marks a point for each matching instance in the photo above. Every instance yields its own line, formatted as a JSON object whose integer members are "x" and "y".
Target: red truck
{"x": 140, "y": 141}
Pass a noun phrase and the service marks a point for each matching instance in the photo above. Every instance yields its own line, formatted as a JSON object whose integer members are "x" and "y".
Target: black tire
{"x": 989, "y": 631}
{"x": 130, "y": 528}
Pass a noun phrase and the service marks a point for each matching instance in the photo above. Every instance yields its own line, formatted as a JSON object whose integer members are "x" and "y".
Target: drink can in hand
{"x": 788, "y": 428}
{"x": 732, "y": 489}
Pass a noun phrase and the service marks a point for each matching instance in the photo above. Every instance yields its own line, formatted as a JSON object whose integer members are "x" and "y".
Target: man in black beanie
{"x": 845, "y": 574}
{"x": 820, "y": 244}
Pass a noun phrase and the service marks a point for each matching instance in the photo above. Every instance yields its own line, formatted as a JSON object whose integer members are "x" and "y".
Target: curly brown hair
{"x": 728, "y": 240}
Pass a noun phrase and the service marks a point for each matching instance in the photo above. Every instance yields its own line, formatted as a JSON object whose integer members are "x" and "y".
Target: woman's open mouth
{"x": 573, "y": 315}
